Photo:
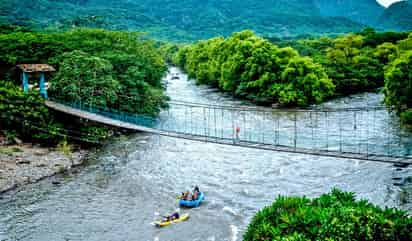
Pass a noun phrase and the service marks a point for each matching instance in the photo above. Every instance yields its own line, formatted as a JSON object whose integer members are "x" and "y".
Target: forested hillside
{"x": 362, "y": 11}
{"x": 178, "y": 20}
{"x": 193, "y": 20}
{"x": 398, "y": 16}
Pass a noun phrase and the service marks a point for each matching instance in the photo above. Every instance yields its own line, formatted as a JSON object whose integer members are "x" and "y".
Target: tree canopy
{"x": 119, "y": 70}
{"x": 84, "y": 78}
{"x": 333, "y": 216}
{"x": 398, "y": 86}
{"x": 351, "y": 67}
{"x": 253, "y": 68}
{"x": 25, "y": 115}
{"x": 119, "y": 62}
{"x": 274, "y": 71}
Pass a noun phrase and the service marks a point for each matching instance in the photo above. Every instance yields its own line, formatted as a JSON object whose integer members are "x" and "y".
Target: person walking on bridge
{"x": 237, "y": 132}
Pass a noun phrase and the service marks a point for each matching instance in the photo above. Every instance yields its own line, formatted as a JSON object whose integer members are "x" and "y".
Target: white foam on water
{"x": 156, "y": 239}
{"x": 245, "y": 191}
{"x": 153, "y": 224}
{"x": 212, "y": 238}
{"x": 229, "y": 210}
{"x": 1, "y": 236}
{"x": 235, "y": 232}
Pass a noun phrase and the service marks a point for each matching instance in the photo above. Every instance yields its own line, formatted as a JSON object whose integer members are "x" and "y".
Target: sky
{"x": 386, "y": 3}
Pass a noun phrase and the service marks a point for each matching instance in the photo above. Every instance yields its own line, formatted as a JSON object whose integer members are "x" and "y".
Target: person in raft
{"x": 196, "y": 193}
{"x": 185, "y": 195}
{"x": 172, "y": 217}
{"x": 191, "y": 197}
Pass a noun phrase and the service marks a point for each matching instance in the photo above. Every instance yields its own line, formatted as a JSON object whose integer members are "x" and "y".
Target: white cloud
{"x": 386, "y": 3}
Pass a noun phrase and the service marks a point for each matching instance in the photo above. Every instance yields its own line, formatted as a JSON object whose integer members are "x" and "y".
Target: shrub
{"x": 25, "y": 115}
{"x": 398, "y": 86}
{"x": 333, "y": 216}
{"x": 64, "y": 147}
{"x": 406, "y": 116}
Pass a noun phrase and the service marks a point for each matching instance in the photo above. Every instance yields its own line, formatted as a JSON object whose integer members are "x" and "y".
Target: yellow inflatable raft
{"x": 182, "y": 218}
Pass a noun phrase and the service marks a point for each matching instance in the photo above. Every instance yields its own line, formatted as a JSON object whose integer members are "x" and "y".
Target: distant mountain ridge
{"x": 362, "y": 11}
{"x": 397, "y": 16}
{"x": 195, "y": 19}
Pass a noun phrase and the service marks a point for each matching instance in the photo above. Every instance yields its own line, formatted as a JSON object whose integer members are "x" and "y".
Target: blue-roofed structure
{"x": 29, "y": 69}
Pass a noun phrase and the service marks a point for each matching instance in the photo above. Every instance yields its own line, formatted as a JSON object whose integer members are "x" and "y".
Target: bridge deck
{"x": 279, "y": 148}
{"x": 98, "y": 118}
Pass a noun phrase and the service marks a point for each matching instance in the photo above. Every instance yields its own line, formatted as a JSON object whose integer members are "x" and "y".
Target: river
{"x": 128, "y": 183}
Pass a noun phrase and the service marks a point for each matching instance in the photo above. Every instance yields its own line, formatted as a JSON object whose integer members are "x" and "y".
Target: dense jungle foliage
{"x": 398, "y": 81}
{"x": 112, "y": 69}
{"x": 251, "y": 67}
{"x": 364, "y": 61}
{"x": 274, "y": 72}
{"x": 94, "y": 67}
{"x": 354, "y": 62}
{"x": 25, "y": 116}
{"x": 333, "y": 216}
{"x": 123, "y": 70}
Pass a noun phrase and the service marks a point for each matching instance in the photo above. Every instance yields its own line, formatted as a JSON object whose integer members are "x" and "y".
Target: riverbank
{"x": 26, "y": 163}
{"x": 112, "y": 197}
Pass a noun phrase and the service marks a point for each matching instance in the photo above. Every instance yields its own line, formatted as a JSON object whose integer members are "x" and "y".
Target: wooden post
{"x": 25, "y": 79}
{"x": 43, "y": 90}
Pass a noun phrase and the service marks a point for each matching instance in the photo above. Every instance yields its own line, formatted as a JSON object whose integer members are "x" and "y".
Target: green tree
{"x": 263, "y": 71}
{"x": 303, "y": 82}
{"x": 333, "y": 216}
{"x": 374, "y": 39}
{"x": 25, "y": 115}
{"x": 406, "y": 44}
{"x": 253, "y": 68}
{"x": 86, "y": 79}
{"x": 180, "y": 58}
{"x": 121, "y": 50}
{"x": 340, "y": 63}
{"x": 138, "y": 96}
{"x": 352, "y": 68}
{"x": 398, "y": 86}
{"x": 368, "y": 71}
{"x": 386, "y": 52}
{"x": 120, "y": 70}
{"x": 168, "y": 50}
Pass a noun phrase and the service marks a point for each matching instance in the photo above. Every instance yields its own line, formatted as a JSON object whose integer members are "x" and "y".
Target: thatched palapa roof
{"x": 30, "y": 68}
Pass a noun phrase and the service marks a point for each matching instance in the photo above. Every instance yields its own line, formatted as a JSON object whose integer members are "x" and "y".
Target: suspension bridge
{"x": 351, "y": 133}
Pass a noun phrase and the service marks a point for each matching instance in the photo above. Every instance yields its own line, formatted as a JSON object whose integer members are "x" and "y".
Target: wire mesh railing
{"x": 363, "y": 131}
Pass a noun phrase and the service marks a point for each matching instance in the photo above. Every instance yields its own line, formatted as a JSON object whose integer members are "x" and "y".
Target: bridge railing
{"x": 365, "y": 131}
{"x": 137, "y": 119}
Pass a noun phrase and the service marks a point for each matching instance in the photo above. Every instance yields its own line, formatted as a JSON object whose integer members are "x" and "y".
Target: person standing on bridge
{"x": 237, "y": 132}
